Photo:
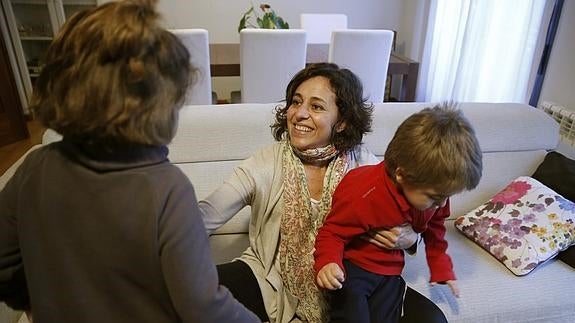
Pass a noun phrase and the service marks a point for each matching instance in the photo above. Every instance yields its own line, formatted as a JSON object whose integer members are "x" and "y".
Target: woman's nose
{"x": 302, "y": 111}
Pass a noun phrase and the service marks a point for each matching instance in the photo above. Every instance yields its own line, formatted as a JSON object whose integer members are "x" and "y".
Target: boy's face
{"x": 423, "y": 198}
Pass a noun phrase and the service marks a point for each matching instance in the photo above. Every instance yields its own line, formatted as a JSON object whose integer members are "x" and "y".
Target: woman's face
{"x": 312, "y": 114}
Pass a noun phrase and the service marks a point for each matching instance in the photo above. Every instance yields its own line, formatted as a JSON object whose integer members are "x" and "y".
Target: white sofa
{"x": 514, "y": 138}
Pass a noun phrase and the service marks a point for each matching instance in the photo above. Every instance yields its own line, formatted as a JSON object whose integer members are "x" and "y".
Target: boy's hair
{"x": 353, "y": 108}
{"x": 436, "y": 148}
{"x": 113, "y": 74}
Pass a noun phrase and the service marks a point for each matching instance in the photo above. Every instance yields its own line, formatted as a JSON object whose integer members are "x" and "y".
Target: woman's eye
{"x": 317, "y": 107}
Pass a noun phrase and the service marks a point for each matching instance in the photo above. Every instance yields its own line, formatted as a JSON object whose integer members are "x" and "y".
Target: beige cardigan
{"x": 258, "y": 182}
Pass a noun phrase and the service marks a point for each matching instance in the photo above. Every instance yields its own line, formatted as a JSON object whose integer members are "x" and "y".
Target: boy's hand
{"x": 452, "y": 285}
{"x": 330, "y": 277}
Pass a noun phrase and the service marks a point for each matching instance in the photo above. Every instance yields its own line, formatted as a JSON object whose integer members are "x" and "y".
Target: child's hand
{"x": 452, "y": 285}
{"x": 330, "y": 277}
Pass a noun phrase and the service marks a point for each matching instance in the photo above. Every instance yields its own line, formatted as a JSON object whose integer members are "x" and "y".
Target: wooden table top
{"x": 225, "y": 59}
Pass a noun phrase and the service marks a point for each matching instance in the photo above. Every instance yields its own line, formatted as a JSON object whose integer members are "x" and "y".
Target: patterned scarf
{"x": 299, "y": 227}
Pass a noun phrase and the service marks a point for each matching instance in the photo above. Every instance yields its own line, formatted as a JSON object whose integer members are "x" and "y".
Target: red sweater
{"x": 365, "y": 199}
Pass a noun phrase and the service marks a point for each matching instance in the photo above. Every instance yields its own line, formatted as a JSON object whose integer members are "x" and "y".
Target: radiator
{"x": 565, "y": 117}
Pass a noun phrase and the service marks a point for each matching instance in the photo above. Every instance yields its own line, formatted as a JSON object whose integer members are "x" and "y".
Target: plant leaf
{"x": 242, "y": 24}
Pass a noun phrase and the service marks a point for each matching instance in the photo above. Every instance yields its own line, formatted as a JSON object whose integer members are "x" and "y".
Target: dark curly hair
{"x": 353, "y": 107}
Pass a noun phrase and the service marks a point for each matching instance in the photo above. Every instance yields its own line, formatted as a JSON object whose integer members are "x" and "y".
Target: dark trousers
{"x": 238, "y": 277}
{"x": 240, "y": 280}
{"x": 367, "y": 297}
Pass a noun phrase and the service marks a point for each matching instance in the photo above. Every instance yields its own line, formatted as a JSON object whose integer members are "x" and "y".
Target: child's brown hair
{"x": 436, "y": 148}
{"x": 114, "y": 74}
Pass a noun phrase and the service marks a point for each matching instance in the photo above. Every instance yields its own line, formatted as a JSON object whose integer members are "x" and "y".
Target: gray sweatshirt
{"x": 92, "y": 234}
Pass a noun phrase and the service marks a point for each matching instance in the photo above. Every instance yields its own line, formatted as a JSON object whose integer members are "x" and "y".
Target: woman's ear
{"x": 340, "y": 126}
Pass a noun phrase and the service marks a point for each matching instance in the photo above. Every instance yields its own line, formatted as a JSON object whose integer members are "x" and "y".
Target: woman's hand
{"x": 399, "y": 237}
{"x": 330, "y": 276}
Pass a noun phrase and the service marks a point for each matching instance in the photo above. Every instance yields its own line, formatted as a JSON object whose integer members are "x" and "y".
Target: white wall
{"x": 559, "y": 82}
{"x": 221, "y": 18}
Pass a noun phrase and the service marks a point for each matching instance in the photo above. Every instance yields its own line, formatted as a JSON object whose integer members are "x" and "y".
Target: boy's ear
{"x": 399, "y": 175}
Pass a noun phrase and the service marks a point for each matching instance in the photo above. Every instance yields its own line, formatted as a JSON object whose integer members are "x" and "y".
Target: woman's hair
{"x": 436, "y": 148}
{"x": 113, "y": 74}
{"x": 353, "y": 108}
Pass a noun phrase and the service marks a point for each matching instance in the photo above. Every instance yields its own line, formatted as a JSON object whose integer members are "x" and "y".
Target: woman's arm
{"x": 239, "y": 189}
{"x": 399, "y": 237}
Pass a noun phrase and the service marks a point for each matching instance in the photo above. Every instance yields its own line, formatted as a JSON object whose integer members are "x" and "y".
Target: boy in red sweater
{"x": 433, "y": 155}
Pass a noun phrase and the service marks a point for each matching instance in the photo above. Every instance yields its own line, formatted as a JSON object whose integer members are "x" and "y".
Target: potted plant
{"x": 269, "y": 19}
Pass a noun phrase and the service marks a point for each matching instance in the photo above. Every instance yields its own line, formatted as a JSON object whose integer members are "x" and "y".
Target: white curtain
{"x": 479, "y": 50}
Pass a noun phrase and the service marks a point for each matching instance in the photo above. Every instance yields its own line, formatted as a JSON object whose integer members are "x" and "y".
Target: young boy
{"x": 101, "y": 227}
{"x": 433, "y": 155}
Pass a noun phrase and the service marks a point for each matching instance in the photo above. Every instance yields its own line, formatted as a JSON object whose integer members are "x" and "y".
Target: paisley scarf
{"x": 299, "y": 225}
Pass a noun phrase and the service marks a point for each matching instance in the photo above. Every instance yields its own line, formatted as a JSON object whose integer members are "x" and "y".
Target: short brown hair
{"x": 114, "y": 74}
{"x": 436, "y": 148}
{"x": 353, "y": 107}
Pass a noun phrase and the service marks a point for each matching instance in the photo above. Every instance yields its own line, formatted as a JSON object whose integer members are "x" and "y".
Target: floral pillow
{"x": 522, "y": 226}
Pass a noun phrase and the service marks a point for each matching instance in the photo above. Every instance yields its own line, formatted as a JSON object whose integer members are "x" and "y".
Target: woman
{"x": 289, "y": 186}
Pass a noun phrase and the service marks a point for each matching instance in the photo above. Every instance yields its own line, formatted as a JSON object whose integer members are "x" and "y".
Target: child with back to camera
{"x": 101, "y": 227}
{"x": 433, "y": 155}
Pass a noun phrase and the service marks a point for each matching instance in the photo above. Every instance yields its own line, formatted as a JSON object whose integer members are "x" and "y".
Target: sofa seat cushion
{"x": 490, "y": 292}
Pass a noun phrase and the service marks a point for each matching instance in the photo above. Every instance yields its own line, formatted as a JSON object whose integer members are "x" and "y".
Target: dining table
{"x": 225, "y": 61}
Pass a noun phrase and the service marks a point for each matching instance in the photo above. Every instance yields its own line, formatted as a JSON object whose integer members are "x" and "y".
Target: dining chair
{"x": 365, "y": 52}
{"x": 269, "y": 58}
{"x": 319, "y": 26}
{"x": 197, "y": 44}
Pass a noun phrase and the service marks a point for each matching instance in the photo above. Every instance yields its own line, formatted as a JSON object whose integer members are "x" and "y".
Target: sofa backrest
{"x": 212, "y": 139}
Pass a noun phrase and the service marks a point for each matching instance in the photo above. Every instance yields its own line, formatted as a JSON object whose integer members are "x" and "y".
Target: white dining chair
{"x": 365, "y": 52}
{"x": 269, "y": 58}
{"x": 197, "y": 43}
{"x": 319, "y": 26}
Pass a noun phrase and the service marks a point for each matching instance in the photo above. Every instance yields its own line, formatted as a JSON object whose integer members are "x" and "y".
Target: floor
{"x": 12, "y": 152}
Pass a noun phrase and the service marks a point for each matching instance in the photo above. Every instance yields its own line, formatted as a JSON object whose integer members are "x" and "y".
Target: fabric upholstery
{"x": 523, "y": 225}
{"x": 558, "y": 173}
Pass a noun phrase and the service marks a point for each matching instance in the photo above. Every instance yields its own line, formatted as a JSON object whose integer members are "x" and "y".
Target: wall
{"x": 221, "y": 18}
{"x": 558, "y": 85}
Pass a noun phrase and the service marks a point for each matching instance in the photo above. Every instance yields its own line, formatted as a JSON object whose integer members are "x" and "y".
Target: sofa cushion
{"x": 523, "y": 225}
{"x": 558, "y": 173}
